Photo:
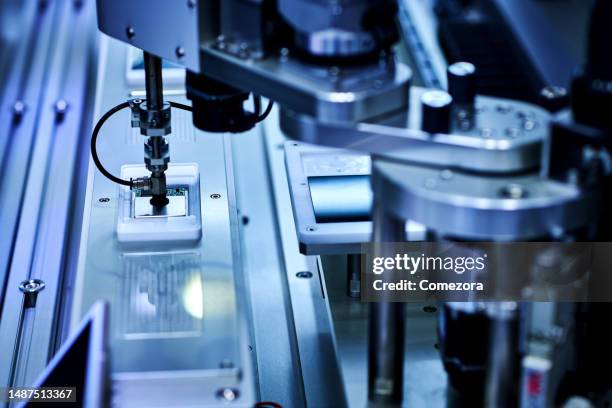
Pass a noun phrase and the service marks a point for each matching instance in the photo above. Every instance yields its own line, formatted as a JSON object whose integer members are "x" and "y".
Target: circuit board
{"x": 177, "y": 204}
{"x": 171, "y": 192}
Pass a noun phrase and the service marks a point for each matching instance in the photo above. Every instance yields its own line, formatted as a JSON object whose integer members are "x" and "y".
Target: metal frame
{"x": 47, "y": 204}
{"x": 324, "y": 238}
{"x": 505, "y": 136}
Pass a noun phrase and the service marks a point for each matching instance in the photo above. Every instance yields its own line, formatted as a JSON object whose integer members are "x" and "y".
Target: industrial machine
{"x": 285, "y": 141}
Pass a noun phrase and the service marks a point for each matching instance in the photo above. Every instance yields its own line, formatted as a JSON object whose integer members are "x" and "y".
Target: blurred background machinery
{"x": 242, "y": 153}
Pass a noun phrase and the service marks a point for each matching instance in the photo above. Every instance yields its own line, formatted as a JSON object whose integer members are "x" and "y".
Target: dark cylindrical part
{"x": 156, "y": 143}
{"x": 387, "y": 326}
{"x": 436, "y": 112}
{"x": 153, "y": 81}
{"x": 353, "y": 275}
{"x": 554, "y": 98}
{"x": 386, "y": 353}
{"x": 462, "y": 83}
{"x": 503, "y": 370}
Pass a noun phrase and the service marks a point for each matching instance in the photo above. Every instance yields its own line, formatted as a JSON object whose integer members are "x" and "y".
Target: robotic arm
{"x": 327, "y": 60}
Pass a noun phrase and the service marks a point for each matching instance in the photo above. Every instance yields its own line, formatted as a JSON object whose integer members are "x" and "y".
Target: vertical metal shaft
{"x": 353, "y": 275}
{"x": 504, "y": 356}
{"x": 153, "y": 81}
{"x": 155, "y": 102}
{"x": 386, "y": 329}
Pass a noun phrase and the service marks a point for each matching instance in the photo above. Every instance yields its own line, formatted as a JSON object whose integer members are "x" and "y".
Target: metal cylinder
{"x": 436, "y": 112}
{"x": 462, "y": 83}
{"x": 504, "y": 356}
{"x": 353, "y": 275}
{"x": 387, "y": 327}
{"x": 153, "y": 81}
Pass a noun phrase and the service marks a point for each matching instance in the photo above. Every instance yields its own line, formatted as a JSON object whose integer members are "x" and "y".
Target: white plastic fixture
{"x": 183, "y": 224}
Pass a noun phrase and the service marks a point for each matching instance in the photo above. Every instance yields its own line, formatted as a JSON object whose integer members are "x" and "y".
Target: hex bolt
{"x": 30, "y": 289}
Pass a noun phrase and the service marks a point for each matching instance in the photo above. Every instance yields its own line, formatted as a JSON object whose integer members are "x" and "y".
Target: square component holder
{"x": 179, "y": 222}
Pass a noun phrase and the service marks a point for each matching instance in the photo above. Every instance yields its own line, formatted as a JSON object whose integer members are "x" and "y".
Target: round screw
{"x": 447, "y": 174}
{"x": 215, "y": 196}
{"x": 129, "y": 32}
{"x": 514, "y": 191}
{"x": 225, "y": 363}
{"x": 430, "y": 309}
{"x": 104, "y": 199}
{"x": 311, "y": 229}
{"x": 304, "y": 274}
{"x": 30, "y": 289}
{"x": 19, "y": 109}
{"x": 227, "y": 394}
{"x": 60, "y": 107}
{"x": 180, "y": 52}
{"x": 31, "y": 286}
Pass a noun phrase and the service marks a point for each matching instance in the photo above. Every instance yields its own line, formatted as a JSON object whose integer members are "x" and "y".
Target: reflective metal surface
{"x": 175, "y": 312}
{"x": 503, "y": 136}
{"x": 455, "y": 204}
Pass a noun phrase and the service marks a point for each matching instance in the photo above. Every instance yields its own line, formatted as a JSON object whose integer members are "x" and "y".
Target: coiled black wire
{"x": 96, "y": 131}
{"x": 111, "y": 112}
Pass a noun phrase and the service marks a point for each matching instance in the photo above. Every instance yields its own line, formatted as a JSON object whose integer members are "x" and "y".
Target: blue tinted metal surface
{"x": 342, "y": 198}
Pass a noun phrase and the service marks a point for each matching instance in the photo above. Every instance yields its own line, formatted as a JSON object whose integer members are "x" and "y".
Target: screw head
{"x": 215, "y": 196}
{"x": 180, "y": 52}
{"x": 31, "y": 286}
{"x": 225, "y": 363}
{"x": 554, "y": 92}
{"x": 227, "y": 394}
{"x": 446, "y": 174}
{"x": 18, "y": 110}
{"x": 514, "y": 191}
{"x": 61, "y": 106}
{"x": 304, "y": 274}
{"x": 104, "y": 199}
{"x": 129, "y": 32}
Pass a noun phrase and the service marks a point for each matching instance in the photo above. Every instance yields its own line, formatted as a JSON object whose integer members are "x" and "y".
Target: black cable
{"x": 257, "y": 105}
{"x": 181, "y": 106}
{"x": 96, "y": 131}
{"x": 94, "y": 138}
{"x": 266, "y": 112}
